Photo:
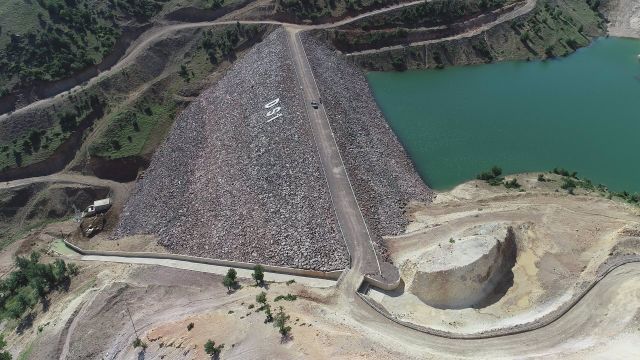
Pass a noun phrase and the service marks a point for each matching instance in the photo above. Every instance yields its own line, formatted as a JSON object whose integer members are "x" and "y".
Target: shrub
{"x": 261, "y": 298}
{"x": 190, "y": 326}
{"x": 512, "y": 184}
{"x": 211, "y": 349}
{"x": 137, "y": 343}
{"x": 287, "y": 297}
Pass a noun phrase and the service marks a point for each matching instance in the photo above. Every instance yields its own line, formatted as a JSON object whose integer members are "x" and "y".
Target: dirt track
{"x": 606, "y": 322}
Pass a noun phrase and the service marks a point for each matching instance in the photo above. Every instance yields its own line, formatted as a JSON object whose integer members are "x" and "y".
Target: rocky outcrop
{"x": 466, "y": 272}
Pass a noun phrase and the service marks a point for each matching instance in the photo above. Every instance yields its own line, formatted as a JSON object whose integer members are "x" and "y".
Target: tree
{"x": 230, "y": 279}
{"x": 35, "y": 137}
{"x": 258, "y": 274}
{"x": 281, "y": 322}
{"x": 4, "y": 355}
{"x": 211, "y": 349}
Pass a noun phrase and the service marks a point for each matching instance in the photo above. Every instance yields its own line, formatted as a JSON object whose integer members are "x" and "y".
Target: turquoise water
{"x": 581, "y": 113}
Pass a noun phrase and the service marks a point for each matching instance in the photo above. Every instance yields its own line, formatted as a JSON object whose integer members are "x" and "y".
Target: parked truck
{"x": 98, "y": 206}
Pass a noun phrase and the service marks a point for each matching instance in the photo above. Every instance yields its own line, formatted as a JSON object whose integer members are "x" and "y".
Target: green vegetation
{"x": 324, "y": 9}
{"x": 565, "y": 172}
{"x": 492, "y": 177}
{"x": 289, "y": 282}
{"x": 39, "y": 144}
{"x": 553, "y": 28}
{"x": 221, "y": 45}
{"x": 129, "y": 130}
{"x": 261, "y": 298}
{"x": 430, "y": 14}
{"x": 44, "y": 40}
{"x": 258, "y": 275}
{"x": 137, "y": 343}
{"x": 4, "y": 354}
{"x": 287, "y": 297}
{"x": 137, "y": 128}
{"x": 229, "y": 281}
{"x": 32, "y": 281}
{"x": 211, "y": 349}
{"x": 280, "y": 322}
{"x": 571, "y": 182}
{"x": 190, "y": 326}
{"x": 512, "y": 184}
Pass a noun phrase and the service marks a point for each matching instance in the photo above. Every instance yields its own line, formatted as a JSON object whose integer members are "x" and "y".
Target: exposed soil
{"x": 27, "y": 206}
{"x": 623, "y": 17}
{"x": 561, "y": 242}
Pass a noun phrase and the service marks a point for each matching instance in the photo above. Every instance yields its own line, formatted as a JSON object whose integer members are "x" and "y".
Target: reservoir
{"x": 581, "y": 113}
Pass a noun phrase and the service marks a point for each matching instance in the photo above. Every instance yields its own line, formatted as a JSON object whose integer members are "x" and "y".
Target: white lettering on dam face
{"x": 275, "y": 112}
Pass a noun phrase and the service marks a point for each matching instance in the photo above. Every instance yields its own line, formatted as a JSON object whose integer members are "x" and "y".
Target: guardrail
{"x": 330, "y": 275}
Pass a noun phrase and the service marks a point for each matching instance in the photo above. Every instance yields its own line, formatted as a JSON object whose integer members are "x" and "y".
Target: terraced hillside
{"x": 238, "y": 177}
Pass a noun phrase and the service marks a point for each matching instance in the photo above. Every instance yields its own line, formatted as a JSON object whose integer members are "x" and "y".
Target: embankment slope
{"x": 381, "y": 173}
{"x": 230, "y": 184}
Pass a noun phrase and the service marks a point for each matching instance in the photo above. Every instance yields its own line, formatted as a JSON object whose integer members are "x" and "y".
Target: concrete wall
{"x": 331, "y": 275}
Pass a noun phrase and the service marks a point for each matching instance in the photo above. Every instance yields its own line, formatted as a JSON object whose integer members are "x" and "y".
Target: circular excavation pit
{"x": 469, "y": 272}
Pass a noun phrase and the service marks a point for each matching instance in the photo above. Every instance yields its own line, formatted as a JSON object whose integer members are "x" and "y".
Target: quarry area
{"x": 285, "y": 160}
{"x": 479, "y": 260}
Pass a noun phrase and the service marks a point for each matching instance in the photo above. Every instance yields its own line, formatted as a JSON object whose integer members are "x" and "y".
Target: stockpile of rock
{"x": 381, "y": 173}
{"x": 230, "y": 184}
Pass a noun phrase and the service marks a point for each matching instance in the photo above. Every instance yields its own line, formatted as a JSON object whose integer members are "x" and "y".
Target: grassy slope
{"x": 96, "y": 29}
{"x": 137, "y": 128}
{"x": 320, "y": 10}
{"x": 150, "y": 91}
{"x": 555, "y": 28}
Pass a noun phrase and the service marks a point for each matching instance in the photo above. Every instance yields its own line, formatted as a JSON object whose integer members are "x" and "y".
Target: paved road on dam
{"x": 352, "y": 224}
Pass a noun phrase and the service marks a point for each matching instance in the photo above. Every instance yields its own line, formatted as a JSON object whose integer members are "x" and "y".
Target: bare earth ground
{"x": 90, "y": 321}
{"x": 624, "y": 17}
{"x": 561, "y": 241}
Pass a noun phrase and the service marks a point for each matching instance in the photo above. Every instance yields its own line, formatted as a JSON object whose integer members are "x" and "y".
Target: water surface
{"x": 581, "y": 112}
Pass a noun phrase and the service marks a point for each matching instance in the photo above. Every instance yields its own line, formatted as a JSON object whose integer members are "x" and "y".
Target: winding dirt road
{"x": 157, "y": 33}
{"x": 517, "y": 12}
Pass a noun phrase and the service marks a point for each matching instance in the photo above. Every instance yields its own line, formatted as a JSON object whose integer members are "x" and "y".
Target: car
{"x": 315, "y": 104}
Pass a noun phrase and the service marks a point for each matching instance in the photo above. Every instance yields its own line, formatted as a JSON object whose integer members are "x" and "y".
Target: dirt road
{"x": 606, "y": 309}
{"x": 157, "y": 33}
{"x": 119, "y": 190}
{"x": 517, "y": 12}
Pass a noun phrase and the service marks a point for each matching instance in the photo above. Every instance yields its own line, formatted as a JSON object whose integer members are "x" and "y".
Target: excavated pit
{"x": 469, "y": 272}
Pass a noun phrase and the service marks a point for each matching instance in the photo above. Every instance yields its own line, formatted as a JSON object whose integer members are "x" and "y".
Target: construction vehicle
{"x": 98, "y": 206}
